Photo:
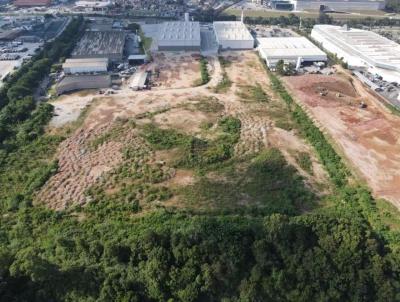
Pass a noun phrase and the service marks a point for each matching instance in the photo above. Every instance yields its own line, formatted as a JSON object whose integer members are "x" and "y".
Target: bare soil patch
{"x": 175, "y": 70}
{"x": 83, "y": 167}
{"x": 369, "y": 138}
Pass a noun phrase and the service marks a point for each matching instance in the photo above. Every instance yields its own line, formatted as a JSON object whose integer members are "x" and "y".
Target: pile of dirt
{"x": 327, "y": 91}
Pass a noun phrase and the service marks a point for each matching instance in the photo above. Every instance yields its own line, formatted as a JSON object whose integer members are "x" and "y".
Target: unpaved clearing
{"x": 369, "y": 138}
{"x": 82, "y": 167}
{"x": 175, "y": 70}
{"x": 67, "y": 108}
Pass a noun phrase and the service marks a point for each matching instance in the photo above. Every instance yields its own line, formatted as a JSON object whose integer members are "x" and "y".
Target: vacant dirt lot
{"x": 180, "y": 107}
{"x": 175, "y": 70}
{"x": 369, "y": 137}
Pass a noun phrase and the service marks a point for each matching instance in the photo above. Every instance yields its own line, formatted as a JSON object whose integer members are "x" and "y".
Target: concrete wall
{"x": 236, "y": 44}
{"x": 178, "y": 48}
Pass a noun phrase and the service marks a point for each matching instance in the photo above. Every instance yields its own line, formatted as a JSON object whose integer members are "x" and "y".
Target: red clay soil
{"x": 369, "y": 137}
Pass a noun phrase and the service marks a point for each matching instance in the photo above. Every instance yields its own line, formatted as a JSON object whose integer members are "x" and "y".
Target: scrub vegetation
{"x": 235, "y": 228}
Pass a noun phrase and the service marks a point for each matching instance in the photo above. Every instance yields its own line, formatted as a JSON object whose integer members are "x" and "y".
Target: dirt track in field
{"x": 81, "y": 168}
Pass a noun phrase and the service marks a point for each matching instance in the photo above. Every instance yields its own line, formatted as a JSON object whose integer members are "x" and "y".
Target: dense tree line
{"x": 393, "y": 5}
{"x": 103, "y": 252}
{"x": 17, "y": 103}
{"x": 293, "y": 20}
{"x": 331, "y": 160}
{"x": 48, "y": 256}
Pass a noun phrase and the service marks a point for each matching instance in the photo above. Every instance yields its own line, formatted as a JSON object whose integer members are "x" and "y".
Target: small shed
{"x": 137, "y": 59}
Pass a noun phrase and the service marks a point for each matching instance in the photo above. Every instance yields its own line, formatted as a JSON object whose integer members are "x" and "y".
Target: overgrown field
{"x": 185, "y": 215}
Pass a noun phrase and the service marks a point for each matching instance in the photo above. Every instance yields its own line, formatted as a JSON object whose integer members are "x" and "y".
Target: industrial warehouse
{"x": 294, "y": 50}
{"x": 361, "y": 49}
{"x": 179, "y": 35}
{"x": 77, "y": 82}
{"x": 233, "y": 35}
{"x": 100, "y": 44}
{"x": 85, "y": 65}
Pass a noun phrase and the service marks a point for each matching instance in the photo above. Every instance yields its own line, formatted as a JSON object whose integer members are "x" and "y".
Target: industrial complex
{"x": 295, "y": 50}
{"x": 361, "y": 49}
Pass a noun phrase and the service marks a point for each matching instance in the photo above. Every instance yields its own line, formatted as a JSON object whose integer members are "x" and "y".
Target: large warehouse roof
{"x": 359, "y": 44}
{"x": 32, "y": 2}
{"x": 100, "y": 43}
{"x": 289, "y": 48}
{"x": 231, "y": 30}
{"x": 178, "y": 30}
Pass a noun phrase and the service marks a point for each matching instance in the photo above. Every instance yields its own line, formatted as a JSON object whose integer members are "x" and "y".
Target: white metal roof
{"x": 286, "y": 47}
{"x": 100, "y": 4}
{"x": 231, "y": 30}
{"x": 138, "y": 80}
{"x": 86, "y": 62}
{"x": 179, "y": 30}
{"x": 373, "y": 48}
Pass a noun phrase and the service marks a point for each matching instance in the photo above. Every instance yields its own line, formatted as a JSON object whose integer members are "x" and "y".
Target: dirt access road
{"x": 369, "y": 138}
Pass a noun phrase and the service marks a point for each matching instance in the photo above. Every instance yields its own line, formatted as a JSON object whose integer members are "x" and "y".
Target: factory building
{"x": 338, "y": 5}
{"x": 361, "y": 49}
{"x": 93, "y": 6}
{"x": 179, "y": 35}
{"x": 85, "y": 65}
{"x": 31, "y": 3}
{"x": 294, "y": 50}
{"x": 78, "y": 82}
{"x": 101, "y": 44}
{"x": 233, "y": 35}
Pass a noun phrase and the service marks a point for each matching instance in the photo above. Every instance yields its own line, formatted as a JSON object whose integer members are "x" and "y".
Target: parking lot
{"x": 389, "y": 90}
{"x": 7, "y": 66}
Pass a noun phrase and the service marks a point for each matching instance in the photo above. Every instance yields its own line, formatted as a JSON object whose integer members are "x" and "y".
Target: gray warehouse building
{"x": 101, "y": 44}
{"x": 78, "y": 82}
{"x": 179, "y": 35}
{"x": 85, "y": 65}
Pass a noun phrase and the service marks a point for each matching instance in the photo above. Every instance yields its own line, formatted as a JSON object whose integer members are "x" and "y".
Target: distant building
{"x": 93, "y": 6}
{"x": 31, "y": 3}
{"x": 86, "y": 65}
{"x": 179, "y": 35}
{"x": 295, "y": 50}
{"x": 137, "y": 59}
{"x": 79, "y": 82}
{"x": 338, "y": 5}
{"x": 9, "y": 35}
{"x": 101, "y": 44}
{"x": 361, "y": 49}
{"x": 233, "y": 35}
